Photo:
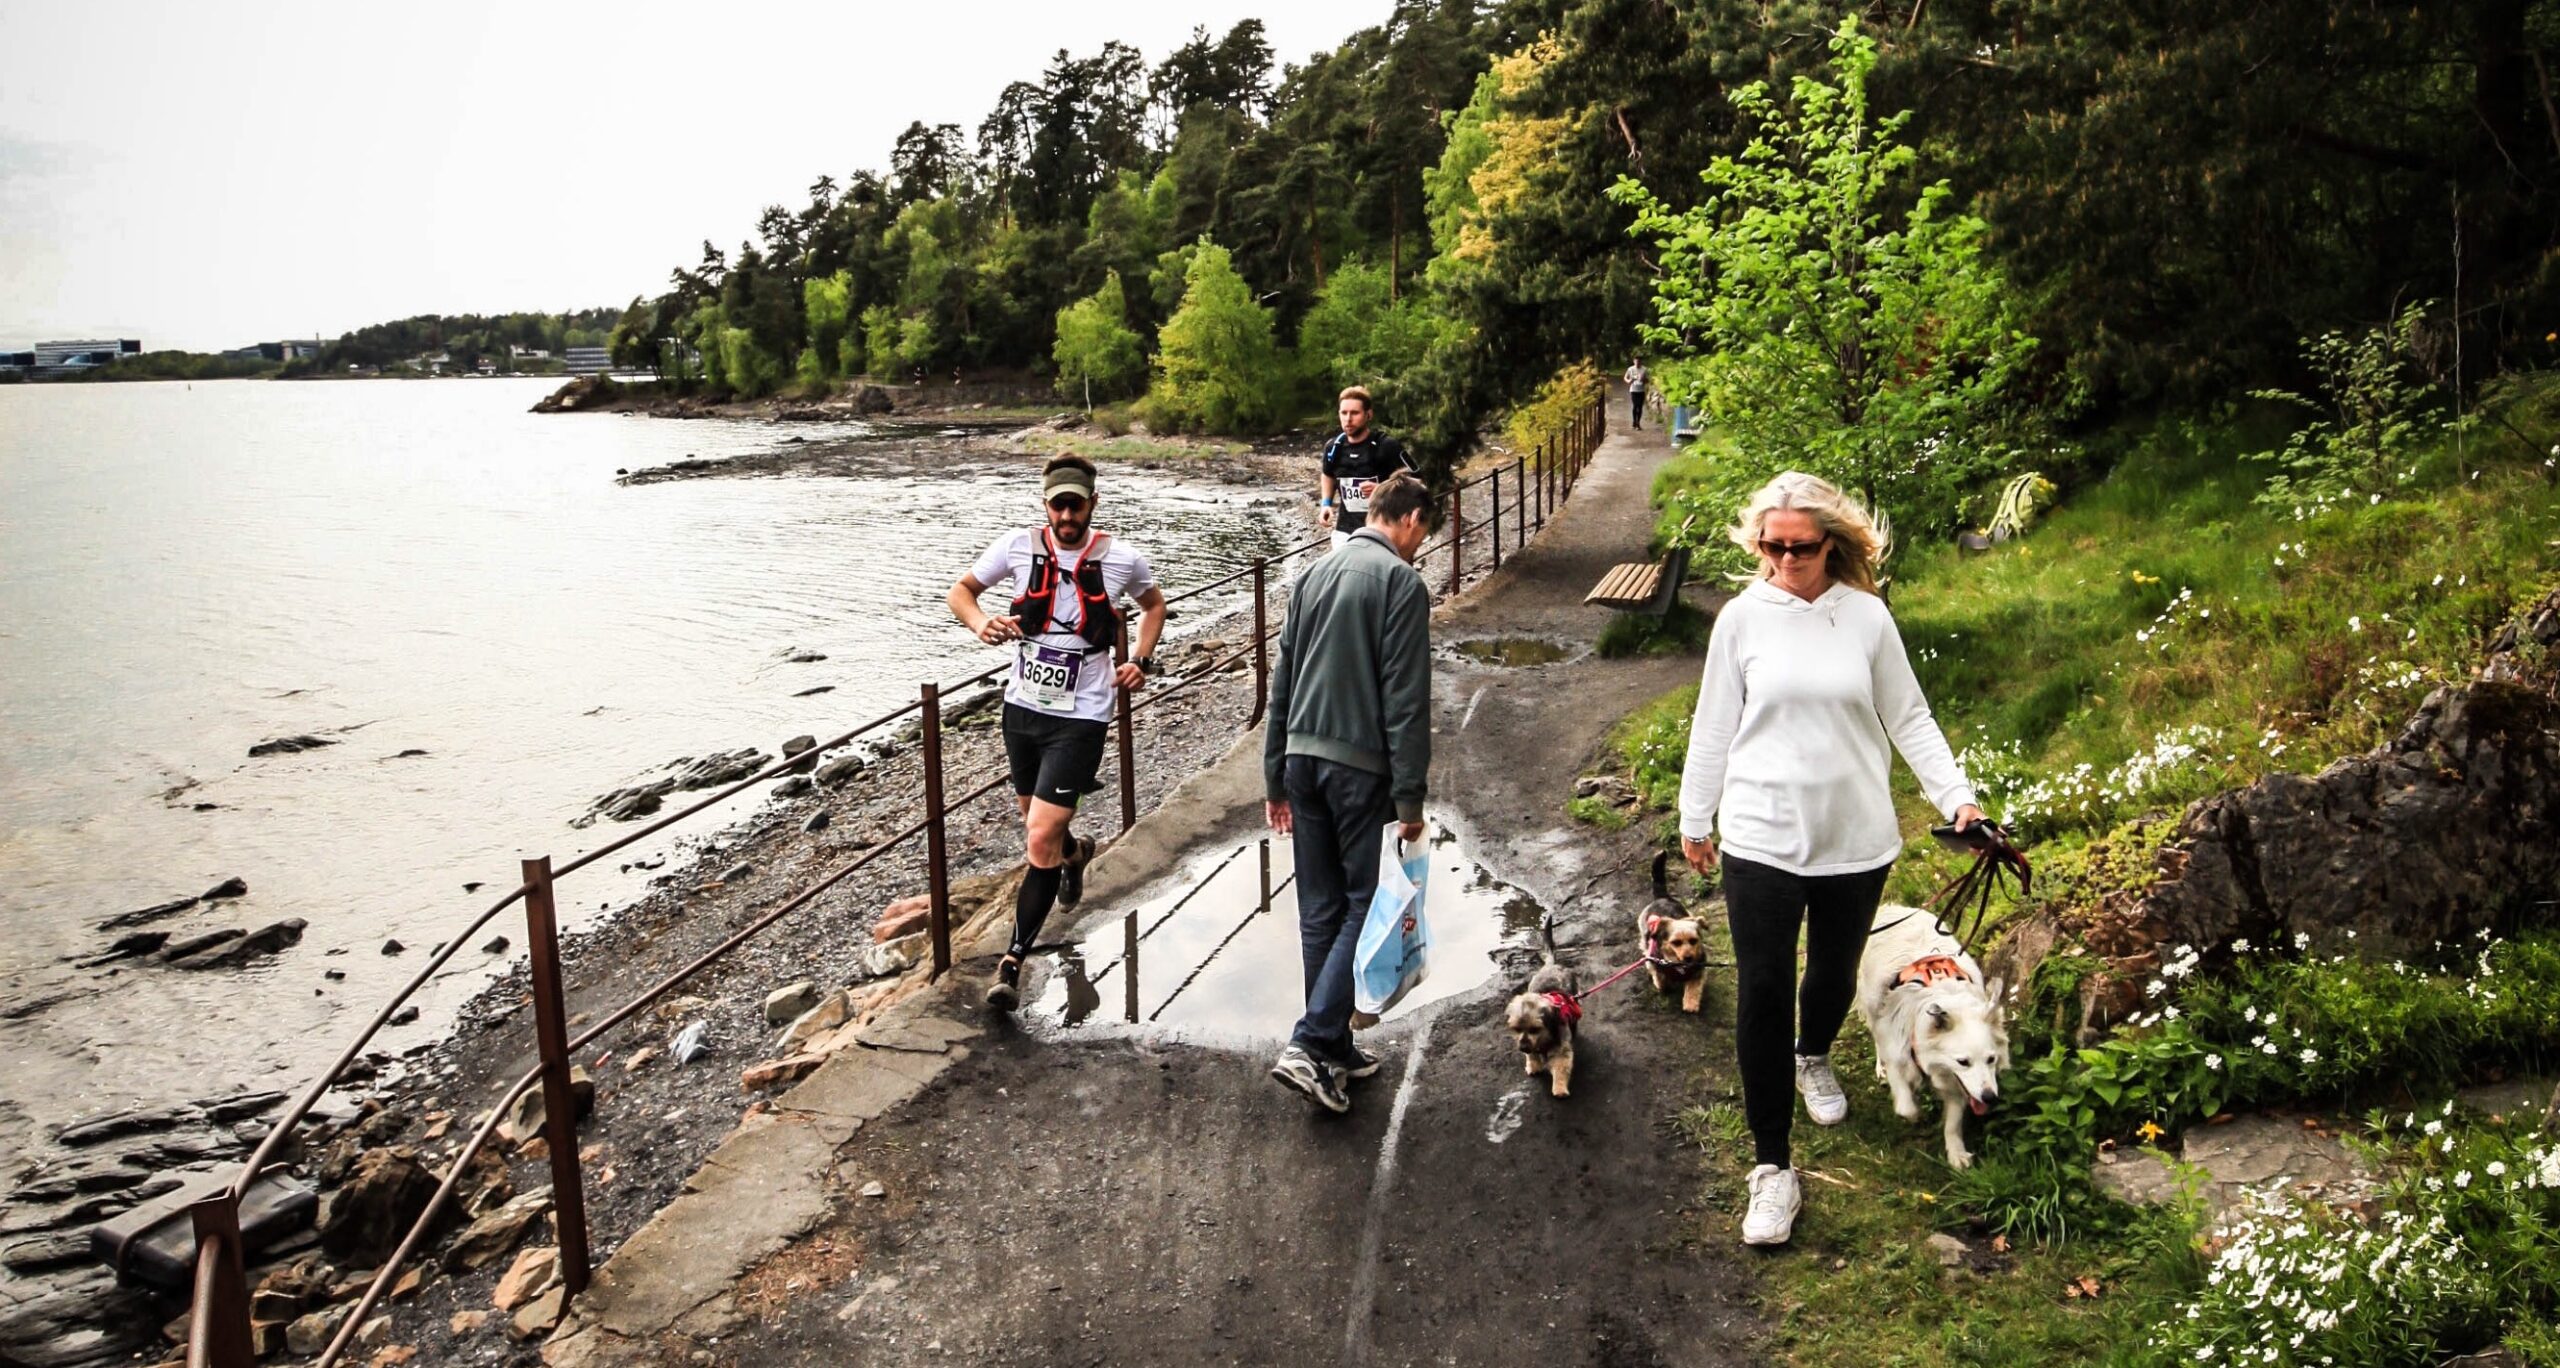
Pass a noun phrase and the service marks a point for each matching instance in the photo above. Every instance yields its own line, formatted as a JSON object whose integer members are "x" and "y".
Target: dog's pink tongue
{"x": 1977, "y": 1106}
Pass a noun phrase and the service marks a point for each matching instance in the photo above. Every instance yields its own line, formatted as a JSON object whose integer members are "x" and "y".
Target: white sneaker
{"x": 1775, "y": 1199}
{"x": 1823, "y": 1099}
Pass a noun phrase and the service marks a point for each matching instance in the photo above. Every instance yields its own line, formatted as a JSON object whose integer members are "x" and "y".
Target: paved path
{"x": 1110, "y": 1197}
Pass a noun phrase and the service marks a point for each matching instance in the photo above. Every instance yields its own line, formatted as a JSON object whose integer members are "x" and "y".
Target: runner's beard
{"x": 1068, "y": 529}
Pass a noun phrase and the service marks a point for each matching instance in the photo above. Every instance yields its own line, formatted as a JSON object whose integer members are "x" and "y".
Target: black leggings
{"x": 1764, "y": 907}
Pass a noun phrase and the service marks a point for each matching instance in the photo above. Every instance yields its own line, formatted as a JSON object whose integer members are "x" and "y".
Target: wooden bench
{"x": 1647, "y": 587}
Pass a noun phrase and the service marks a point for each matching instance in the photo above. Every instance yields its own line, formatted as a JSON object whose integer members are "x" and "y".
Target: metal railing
{"x": 220, "y": 1335}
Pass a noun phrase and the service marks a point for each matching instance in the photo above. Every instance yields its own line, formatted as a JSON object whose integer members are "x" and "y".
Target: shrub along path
{"x": 1129, "y": 1198}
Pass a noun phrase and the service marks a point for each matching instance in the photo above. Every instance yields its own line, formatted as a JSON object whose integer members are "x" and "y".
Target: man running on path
{"x": 1637, "y": 376}
{"x": 1354, "y": 461}
{"x": 1347, "y": 749}
{"x": 1065, "y": 581}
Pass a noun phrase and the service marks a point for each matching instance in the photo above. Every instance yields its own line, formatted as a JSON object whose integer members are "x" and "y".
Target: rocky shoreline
{"x": 393, "y": 1121}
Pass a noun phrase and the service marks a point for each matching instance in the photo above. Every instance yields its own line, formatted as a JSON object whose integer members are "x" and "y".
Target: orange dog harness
{"x": 1930, "y": 969}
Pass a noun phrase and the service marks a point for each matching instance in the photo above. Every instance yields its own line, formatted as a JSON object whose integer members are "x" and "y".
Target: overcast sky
{"x": 209, "y": 175}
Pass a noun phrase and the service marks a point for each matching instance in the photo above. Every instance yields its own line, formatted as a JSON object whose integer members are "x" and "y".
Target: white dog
{"x": 1934, "y": 1019}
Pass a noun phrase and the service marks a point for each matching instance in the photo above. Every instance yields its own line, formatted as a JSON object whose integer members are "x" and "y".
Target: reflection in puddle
{"x": 1212, "y": 952}
{"x": 1512, "y": 652}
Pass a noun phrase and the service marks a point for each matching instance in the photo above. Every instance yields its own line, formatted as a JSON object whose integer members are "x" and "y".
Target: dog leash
{"x": 1997, "y": 862}
{"x": 1652, "y": 938}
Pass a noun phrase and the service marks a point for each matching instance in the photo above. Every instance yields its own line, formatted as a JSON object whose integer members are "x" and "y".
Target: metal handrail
{"x": 219, "y": 1332}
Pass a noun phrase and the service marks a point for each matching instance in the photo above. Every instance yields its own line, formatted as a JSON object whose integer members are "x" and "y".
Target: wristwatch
{"x": 1146, "y": 664}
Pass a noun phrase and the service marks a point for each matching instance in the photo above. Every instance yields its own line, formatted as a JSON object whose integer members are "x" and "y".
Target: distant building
{"x": 52, "y": 359}
{"x": 588, "y": 360}
{"x": 295, "y": 351}
{"x": 516, "y": 353}
{"x": 17, "y": 361}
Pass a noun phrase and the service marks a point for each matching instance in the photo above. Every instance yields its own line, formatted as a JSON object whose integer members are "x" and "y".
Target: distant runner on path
{"x": 1637, "y": 378}
{"x": 1065, "y": 579}
{"x": 1354, "y": 461}
{"x": 1347, "y": 750}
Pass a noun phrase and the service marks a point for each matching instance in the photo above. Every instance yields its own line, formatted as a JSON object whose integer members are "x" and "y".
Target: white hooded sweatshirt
{"x": 1787, "y": 753}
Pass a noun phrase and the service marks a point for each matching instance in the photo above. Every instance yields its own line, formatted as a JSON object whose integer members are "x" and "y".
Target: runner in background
{"x": 1354, "y": 461}
{"x": 1066, "y": 582}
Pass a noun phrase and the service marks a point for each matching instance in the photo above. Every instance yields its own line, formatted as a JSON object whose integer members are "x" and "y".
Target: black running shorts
{"x": 1054, "y": 759}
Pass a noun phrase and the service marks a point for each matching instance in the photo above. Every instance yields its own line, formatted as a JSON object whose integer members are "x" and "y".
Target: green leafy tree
{"x": 1358, "y": 334}
{"x": 1816, "y": 330}
{"x": 1217, "y": 366}
{"x": 880, "y": 342}
{"x": 1095, "y": 345}
{"x": 2374, "y": 416}
{"x": 828, "y": 303}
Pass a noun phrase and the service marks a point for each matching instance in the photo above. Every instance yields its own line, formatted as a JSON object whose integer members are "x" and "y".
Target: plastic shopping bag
{"x": 1394, "y": 951}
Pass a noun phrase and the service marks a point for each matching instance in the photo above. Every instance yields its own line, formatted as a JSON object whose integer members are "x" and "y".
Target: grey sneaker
{"x": 1007, "y": 992}
{"x": 1775, "y": 1199}
{"x": 1368, "y": 1066}
{"x": 1823, "y": 1099}
{"x": 1321, "y": 1082}
{"x": 1071, "y": 874}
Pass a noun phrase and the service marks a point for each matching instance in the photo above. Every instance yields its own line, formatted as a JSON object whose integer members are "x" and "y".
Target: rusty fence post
{"x": 1128, "y": 745}
{"x": 1261, "y": 646}
{"x": 1542, "y": 486}
{"x": 937, "y": 864}
{"x": 559, "y": 1100}
{"x": 1497, "y": 517}
{"x": 1457, "y": 535}
{"x": 220, "y": 1336}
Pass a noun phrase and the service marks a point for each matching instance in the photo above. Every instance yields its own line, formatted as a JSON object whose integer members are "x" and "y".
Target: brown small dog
{"x": 1543, "y": 1018}
{"x": 1675, "y": 943}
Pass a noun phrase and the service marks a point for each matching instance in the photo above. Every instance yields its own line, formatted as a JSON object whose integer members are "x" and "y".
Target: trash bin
{"x": 1681, "y": 431}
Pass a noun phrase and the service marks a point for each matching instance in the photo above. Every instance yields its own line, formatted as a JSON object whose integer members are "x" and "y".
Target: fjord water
{"x": 186, "y": 571}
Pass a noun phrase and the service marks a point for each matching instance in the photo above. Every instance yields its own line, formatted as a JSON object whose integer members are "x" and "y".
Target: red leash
{"x": 1652, "y": 938}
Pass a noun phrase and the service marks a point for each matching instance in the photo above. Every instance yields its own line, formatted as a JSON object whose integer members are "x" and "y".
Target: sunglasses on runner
{"x": 1068, "y": 503}
{"x": 1780, "y": 550}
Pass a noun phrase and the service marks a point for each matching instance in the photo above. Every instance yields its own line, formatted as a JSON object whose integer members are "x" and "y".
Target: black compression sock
{"x": 1031, "y": 908}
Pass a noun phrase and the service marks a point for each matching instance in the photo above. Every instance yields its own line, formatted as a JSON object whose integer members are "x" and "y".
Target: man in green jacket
{"x": 1346, "y": 750}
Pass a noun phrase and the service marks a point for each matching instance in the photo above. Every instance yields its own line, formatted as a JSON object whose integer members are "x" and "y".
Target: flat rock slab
{"x": 755, "y": 1194}
{"x": 2256, "y": 1154}
{"x": 917, "y": 1032}
{"x": 2141, "y": 1177}
{"x": 2514, "y": 1097}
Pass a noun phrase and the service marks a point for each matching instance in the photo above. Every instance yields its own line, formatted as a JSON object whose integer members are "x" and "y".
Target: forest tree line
{"x": 2174, "y": 194}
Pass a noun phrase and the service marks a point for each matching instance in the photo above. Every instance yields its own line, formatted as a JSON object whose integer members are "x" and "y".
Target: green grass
{"x": 2087, "y": 644}
{"x": 2178, "y": 638}
{"x": 1132, "y": 447}
{"x": 1598, "y": 812}
{"x": 1859, "y": 1286}
{"x": 1681, "y": 631}
{"x": 2161, "y": 635}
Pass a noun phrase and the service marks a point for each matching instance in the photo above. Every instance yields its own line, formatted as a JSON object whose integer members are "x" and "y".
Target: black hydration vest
{"x": 1100, "y": 629}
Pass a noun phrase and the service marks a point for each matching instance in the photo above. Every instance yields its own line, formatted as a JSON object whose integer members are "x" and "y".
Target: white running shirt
{"x": 1051, "y": 671}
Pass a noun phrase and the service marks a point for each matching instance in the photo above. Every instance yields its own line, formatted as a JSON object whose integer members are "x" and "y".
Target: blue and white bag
{"x": 1394, "y": 951}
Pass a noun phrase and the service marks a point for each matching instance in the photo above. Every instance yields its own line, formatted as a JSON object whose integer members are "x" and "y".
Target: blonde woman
{"x": 1806, "y": 682}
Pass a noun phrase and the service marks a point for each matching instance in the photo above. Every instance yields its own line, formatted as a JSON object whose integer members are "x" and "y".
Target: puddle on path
{"x": 1512, "y": 652}
{"x": 1200, "y": 955}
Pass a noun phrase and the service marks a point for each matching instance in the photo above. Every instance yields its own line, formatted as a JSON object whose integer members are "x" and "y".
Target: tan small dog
{"x": 1543, "y": 1018}
{"x": 1675, "y": 943}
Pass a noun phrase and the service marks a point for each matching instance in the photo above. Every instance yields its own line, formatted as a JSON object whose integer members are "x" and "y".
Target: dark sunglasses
{"x": 1780, "y": 550}
{"x": 1067, "y": 503}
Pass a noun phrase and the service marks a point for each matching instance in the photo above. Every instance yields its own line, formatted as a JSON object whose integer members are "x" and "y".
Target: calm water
{"x": 187, "y": 571}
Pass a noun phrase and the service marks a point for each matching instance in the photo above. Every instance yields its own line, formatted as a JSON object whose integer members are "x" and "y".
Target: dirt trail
{"x": 1120, "y": 1198}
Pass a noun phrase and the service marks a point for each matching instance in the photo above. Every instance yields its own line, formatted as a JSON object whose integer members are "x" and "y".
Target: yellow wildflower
{"x": 2150, "y": 1131}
